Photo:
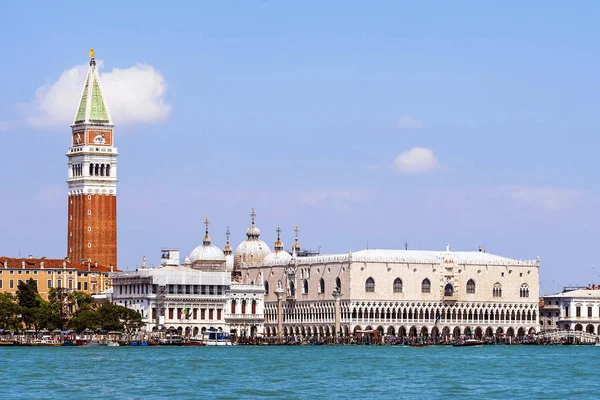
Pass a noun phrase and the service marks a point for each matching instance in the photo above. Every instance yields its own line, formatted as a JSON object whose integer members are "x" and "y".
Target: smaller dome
{"x": 296, "y": 245}
{"x": 207, "y": 251}
{"x": 252, "y": 250}
{"x": 253, "y": 231}
{"x": 278, "y": 256}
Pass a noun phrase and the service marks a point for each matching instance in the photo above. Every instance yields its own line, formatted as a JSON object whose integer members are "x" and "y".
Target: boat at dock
{"x": 215, "y": 338}
{"x": 468, "y": 343}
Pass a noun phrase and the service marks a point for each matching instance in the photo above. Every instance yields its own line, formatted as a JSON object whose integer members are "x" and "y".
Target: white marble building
{"x": 401, "y": 292}
{"x": 193, "y": 297}
{"x": 577, "y": 310}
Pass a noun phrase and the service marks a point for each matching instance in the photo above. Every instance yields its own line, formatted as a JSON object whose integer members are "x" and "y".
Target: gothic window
{"x": 448, "y": 290}
{"x": 243, "y": 306}
{"x": 322, "y": 285}
{"x": 398, "y": 285}
{"x": 102, "y": 170}
{"x": 91, "y": 169}
{"x": 266, "y": 287}
{"x": 524, "y": 292}
{"x": 305, "y": 287}
{"x": 370, "y": 285}
{"x": 96, "y": 169}
{"x": 292, "y": 289}
{"x": 425, "y": 286}
{"x": 471, "y": 286}
{"x": 107, "y": 169}
{"x": 253, "y": 306}
{"x": 338, "y": 283}
{"x": 497, "y": 291}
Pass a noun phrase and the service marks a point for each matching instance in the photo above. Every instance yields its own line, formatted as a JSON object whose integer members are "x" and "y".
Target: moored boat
{"x": 468, "y": 343}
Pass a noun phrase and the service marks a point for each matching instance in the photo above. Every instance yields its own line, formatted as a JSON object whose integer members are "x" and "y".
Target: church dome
{"x": 252, "y": 249}
{"x": 206, "y": 251}
{"x": 279, "y": 255}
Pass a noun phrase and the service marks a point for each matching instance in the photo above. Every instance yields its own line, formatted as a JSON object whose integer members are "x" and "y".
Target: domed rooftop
{"x": 279, "y": 255}
{"x": 252, "y": 249}
{"x": 207, "y": 251}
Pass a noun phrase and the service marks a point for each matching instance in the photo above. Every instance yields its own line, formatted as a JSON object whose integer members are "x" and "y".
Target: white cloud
{"x": 408, "y": 122}
{"x": 415, "y": 160}
{"x": 133, "y": 95}
{"x": 546, "y": 198}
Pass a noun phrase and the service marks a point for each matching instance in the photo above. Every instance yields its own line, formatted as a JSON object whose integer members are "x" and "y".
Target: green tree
{"x": 29, "y": 299}
{"x": 116, "y": 318}
{"x": 9, "y": 312}
{"x": 79, "y": 300}
{"x": 27, "y": 294}
{"x": 85, "y": 319}
{"x": 47, "y": 315}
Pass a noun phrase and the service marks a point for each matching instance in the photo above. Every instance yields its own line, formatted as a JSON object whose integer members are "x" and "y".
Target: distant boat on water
{"x": 468, "y": 343}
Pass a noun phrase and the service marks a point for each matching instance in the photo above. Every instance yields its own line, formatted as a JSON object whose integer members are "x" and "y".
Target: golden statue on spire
{"x": 92, "y": 53}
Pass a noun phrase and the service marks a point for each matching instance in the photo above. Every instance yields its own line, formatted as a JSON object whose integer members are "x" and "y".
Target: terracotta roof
{"x": 50, "y": 263}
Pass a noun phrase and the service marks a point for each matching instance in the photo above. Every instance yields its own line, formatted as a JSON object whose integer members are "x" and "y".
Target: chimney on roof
{"x": 30, "y": 256}
{"x": 67, "y": 259}
{"x": 5, "y": 264}
{"x": 64, "y": 264}
{"x": 23, "y": 264}
{"x": 89, "y": 265}
{"x": 96, "y": 264}
{"x": 42, "y": 263}
{"x": 111, "y": 268}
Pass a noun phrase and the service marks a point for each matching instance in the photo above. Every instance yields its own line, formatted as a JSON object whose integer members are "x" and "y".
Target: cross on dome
{"x": 296, "y": 245}
{"x": 227, "y": 234}
{"x": 278, "y": 246}
{"x": 253, "y": 215}
{"x": 206, "y": 237}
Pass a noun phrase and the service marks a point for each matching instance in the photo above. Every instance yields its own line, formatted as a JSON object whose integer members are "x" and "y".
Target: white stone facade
{"x": 577, "y": 310}
{"x": 402, "y": 292}
{"x": 192, "y": 300}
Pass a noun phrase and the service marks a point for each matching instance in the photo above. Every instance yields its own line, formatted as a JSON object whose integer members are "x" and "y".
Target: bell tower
{"x": 92, "y": 225}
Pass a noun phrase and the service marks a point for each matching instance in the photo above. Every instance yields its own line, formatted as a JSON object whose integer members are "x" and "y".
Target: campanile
{"x": 92, "y": 226}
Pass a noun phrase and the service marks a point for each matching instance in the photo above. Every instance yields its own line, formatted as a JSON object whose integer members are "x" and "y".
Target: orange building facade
{"x": 52, "y": 273}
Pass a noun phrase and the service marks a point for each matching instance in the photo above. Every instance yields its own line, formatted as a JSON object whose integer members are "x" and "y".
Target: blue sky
{"x": 311, "y": 113}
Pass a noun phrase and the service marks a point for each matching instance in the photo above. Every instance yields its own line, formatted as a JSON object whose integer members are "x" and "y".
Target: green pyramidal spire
{"x": 92, "y": 108}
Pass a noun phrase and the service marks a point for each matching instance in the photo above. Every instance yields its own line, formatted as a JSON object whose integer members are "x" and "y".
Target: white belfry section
{"x": 92, "y": 155}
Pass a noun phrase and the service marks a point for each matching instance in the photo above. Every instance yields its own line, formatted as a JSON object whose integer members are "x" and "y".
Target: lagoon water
{"x": 303, "y": 372}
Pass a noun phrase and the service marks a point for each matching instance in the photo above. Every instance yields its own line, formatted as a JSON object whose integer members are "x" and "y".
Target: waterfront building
{"x": 574, "y": 309}
{"x": 398, "y": 293}
{"x": 92, "y": 178}
{"x": 52, "y": 273}
{"x": 193, "y": 297}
